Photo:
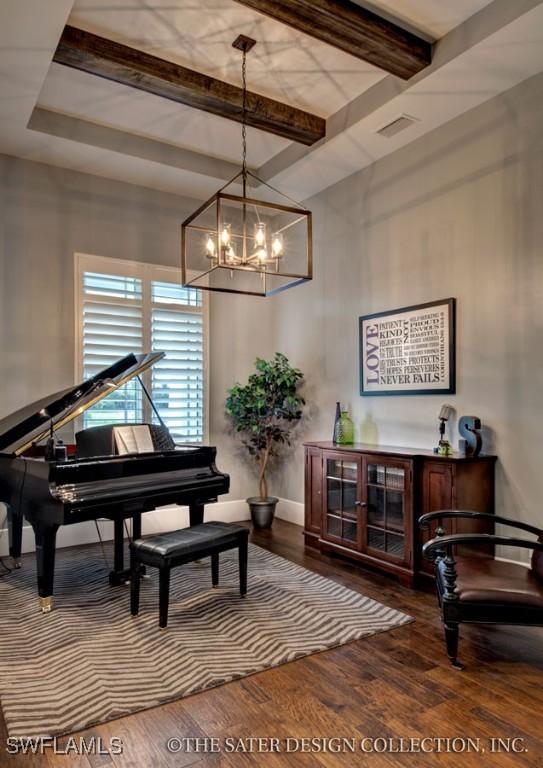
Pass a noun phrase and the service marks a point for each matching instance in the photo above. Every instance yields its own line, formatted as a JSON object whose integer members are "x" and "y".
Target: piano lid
{"x": 33, "y": 422}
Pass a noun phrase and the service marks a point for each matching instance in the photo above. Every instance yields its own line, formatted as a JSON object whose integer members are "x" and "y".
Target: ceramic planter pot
{"x": 262, "y": 511}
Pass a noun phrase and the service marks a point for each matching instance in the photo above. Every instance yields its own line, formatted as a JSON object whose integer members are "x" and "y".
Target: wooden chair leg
{"x": 164, "y": 595}
{"x": 215, "y": 569}
{"x": 243, "y": 567}
{"x": 451, "y": 639}
{"x": 134, "y": 585}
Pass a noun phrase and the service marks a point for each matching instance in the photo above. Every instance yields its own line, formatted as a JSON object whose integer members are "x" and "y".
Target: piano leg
{"x": 15, "y": 528}
{"x": 136, "y": 526}
{"x": 196, "y": 514}
{"x": 118, "y": 575}
{"x": 45, "y": 560}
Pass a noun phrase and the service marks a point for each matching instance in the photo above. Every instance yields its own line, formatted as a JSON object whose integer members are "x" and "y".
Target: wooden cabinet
{"x": 364, "y": 501}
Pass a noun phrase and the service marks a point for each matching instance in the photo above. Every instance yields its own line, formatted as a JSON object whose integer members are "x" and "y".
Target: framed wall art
{"x": 409, "y": 351}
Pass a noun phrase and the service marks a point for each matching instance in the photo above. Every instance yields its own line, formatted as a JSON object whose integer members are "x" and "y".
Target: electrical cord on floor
{"x": 128, "y": 534}
{"x": 101, "y": 544}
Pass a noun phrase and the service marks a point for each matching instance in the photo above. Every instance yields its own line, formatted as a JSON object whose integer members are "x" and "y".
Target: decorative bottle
{"x": 344, "y": 432}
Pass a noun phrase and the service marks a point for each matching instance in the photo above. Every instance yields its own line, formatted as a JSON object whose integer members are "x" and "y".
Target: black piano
{"x": 93, "y": 482}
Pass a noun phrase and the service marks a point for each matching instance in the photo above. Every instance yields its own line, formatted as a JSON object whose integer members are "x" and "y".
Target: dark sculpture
{"x": 472, "y": 442}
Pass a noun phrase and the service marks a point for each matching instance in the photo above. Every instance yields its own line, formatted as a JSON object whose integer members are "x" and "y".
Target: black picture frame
{"x": 369, "y": 389}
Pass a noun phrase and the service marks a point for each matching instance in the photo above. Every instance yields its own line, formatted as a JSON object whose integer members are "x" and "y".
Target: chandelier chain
{"x": 244, "y": 116}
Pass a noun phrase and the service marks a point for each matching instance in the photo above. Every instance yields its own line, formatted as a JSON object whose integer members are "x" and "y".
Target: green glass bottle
{"x": 344, "y": 431}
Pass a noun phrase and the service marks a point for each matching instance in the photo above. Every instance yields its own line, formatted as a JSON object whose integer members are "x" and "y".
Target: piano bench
{"x": 168, "y": 550}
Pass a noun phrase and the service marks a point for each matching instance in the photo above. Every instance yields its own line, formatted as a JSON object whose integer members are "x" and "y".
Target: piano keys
{"x": 49, "y": 493}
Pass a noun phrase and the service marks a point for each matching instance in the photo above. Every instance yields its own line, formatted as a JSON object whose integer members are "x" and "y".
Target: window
{"x": 124, "y": 307}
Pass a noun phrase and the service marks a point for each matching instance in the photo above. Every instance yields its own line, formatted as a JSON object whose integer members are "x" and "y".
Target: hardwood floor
{"x": 393, "y": 685}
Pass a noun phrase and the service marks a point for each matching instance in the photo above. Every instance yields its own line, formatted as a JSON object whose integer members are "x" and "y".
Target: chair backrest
{"x": 100, "y": 441}
{"x": 537, "y": 561}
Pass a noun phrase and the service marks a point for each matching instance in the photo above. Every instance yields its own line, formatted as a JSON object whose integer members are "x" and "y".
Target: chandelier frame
{"x": 191, "y": 279}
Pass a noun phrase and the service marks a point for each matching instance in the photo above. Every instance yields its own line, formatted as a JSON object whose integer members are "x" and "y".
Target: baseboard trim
{"x": 291, "y": 511}
{"x": 514, "y": 562}
{"x": 168, "y": 519}
{"x": 157, "y": 521}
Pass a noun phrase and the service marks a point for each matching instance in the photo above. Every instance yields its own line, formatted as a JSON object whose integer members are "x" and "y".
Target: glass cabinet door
{"x": 341, "y": 519}
{"x": 386, "y": 486}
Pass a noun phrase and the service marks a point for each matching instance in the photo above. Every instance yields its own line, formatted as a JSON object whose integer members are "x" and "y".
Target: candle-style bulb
{"x": 277, "y": 246}
{"x": 225, "y": 235}
{"x": 210, "y": 246}
{"x": 260, "y": 235}
{"x": 231, "y": 257}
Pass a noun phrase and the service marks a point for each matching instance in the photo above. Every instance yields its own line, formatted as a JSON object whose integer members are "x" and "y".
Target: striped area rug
{"x": 89, "y": 661}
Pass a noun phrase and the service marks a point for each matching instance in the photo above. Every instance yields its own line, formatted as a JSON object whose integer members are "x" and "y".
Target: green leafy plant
{"x": 265, "y": 410}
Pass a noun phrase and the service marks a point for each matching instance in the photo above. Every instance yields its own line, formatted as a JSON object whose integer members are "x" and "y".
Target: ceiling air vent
{"x": 400, "y": 124}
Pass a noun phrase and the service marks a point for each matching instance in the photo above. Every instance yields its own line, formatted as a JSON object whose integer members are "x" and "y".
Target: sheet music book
{"x": 133, "y": 439}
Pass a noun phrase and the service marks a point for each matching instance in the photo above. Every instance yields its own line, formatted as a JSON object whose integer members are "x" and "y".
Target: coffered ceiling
{"x": 63, "y": 116}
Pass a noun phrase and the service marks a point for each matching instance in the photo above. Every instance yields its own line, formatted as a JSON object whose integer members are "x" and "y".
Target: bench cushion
{"x": 188, "y": 542}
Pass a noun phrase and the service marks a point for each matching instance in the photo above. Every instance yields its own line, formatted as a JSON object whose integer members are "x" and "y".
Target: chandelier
{"x": 235, "y": 243}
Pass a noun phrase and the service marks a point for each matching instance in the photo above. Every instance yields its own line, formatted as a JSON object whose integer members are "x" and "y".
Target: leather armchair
{"x": 482, "y": 589}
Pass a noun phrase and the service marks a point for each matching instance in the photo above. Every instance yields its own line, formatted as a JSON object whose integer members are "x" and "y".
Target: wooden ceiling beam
{"x": 113, "y": 61}
{"x": 353, "y": 29}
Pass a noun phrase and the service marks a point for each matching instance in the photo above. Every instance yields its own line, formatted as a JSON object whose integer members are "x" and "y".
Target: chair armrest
{"x": 442, "y": 543}
{"x": 425, "y": 520}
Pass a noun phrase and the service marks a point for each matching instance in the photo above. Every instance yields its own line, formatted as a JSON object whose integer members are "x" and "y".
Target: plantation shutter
{"x": 178, "y": 379}
{"x": 122, "y": 313}
{"x": 112, "y": 326}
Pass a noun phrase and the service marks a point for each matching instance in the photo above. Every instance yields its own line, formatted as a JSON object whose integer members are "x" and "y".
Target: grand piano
{"x": 49, "y": 492}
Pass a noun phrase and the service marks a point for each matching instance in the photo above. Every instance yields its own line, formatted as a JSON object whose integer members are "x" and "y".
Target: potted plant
{"x": 264, "y": 412}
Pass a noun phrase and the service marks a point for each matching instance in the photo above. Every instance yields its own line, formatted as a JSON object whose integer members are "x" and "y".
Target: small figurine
{"x": 472, "y": 442}
{"x": 444, "y": 448}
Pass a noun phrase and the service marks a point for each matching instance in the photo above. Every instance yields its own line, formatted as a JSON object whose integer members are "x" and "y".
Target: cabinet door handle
{"x": 360, "y": 504}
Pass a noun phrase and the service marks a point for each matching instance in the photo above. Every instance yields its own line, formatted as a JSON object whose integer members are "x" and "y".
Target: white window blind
{"x": 178, "y": 379}
{"x": 133, "y": 312}
{"x": 112, "y": 328}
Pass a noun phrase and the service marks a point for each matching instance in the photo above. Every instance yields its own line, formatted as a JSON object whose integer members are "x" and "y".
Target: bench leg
{"x": 243, "y": 567}
{"x": 134, "y": 585}
{"x": 215, "y": 569}
{"x": 136, "y": 525}
{"x": 164, "y": 595}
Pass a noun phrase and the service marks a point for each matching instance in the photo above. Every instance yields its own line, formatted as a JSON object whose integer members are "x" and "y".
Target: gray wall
{"x": 458, "y": 213}
{"x": 48, "y": 214}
